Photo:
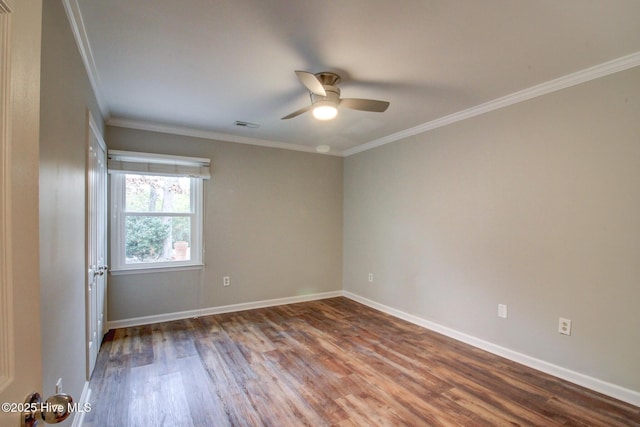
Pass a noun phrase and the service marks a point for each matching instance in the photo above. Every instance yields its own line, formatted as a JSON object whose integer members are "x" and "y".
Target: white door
{"x": 96, "y": 243}
{"x": 20, "y": 352}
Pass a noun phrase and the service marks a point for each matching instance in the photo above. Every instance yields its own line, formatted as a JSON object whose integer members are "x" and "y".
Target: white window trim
{"x": 156, "y": 270}
{"x": 118, "y": 214}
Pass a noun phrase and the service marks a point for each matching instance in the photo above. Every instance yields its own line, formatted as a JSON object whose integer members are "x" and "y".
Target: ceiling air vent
{"x": 246, "y": 124}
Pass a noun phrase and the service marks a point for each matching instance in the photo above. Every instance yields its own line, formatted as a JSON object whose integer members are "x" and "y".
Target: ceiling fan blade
{"x": 364, "y": 104}
{"x": 297, "y": 113}
{"x": 311, "y": 82}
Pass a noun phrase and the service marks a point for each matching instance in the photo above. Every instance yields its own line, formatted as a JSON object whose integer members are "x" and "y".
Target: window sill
{"x": 167, "y": 269}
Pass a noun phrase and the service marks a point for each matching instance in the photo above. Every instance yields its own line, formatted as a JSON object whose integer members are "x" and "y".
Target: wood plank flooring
{"x": 332, "y": 362}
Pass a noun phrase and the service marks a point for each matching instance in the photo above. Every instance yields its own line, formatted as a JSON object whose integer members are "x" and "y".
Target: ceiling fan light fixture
{"x": 324, "y": 110}
{"x": 325, "y": 97}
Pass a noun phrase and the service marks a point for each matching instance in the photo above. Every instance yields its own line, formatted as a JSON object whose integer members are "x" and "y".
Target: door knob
{"x": 102, "y": 269}
{"x": 99, "y": 270}
{"x": 55, "y": 409}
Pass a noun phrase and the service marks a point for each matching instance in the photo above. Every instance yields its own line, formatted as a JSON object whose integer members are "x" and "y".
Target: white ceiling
{"x": 203, "y": 64}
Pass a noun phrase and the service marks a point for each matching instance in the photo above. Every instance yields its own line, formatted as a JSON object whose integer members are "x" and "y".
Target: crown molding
{"x": 588, "y": 74}
{"x": 218, "y": 136}
{"x": 569, "y": 80}
{"x": 79, "y": 31}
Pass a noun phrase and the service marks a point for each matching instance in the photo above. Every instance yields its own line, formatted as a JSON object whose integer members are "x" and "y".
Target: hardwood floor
{"x": 330, "y": 362}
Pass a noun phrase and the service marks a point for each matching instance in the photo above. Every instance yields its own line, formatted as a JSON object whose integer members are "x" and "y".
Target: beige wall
{"x": 536, "y": 206}
{"x": 65, "y": 97}
{"x": 273, "y": 224}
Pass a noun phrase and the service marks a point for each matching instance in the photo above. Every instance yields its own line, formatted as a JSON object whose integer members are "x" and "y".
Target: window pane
{"x": 148, "y": 193}
{"x": 157, "y": 239}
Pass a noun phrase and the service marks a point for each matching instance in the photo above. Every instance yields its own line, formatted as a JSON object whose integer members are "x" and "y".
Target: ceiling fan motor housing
{"x": 333, "y": 95}
{"x": 327, "y": 78}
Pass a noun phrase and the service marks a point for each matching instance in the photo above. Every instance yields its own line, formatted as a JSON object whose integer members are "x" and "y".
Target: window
{"x": 156, "y": 210}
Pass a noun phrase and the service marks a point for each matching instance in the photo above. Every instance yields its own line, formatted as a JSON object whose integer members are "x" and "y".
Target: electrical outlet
{"x": 59, "y": 386}
{"x": 564, "y": 326}
{"x": 502, "y": 311}
{"x": 226, "y": 281}
{"x": 371, "y": 277}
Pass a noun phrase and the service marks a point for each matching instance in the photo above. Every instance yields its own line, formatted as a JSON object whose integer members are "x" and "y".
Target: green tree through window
{"x": 145, "y": 237}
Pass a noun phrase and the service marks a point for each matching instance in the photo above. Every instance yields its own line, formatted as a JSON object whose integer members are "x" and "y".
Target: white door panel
{"x": 96, "y": 242}
{"x": 20, "y": 348}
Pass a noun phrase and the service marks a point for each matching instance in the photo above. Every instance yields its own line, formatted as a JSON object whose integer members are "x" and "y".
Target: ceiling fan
{"x": 325, "y": 97}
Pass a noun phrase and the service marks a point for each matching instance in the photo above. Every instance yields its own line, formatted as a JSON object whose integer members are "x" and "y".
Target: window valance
{"x": 158, "y": 164}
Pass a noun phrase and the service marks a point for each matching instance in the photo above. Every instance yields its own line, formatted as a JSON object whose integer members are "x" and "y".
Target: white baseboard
{"x": 83, "y": 406}
{"x": 609, "y": 389}
{"x": 147, "y": 320}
